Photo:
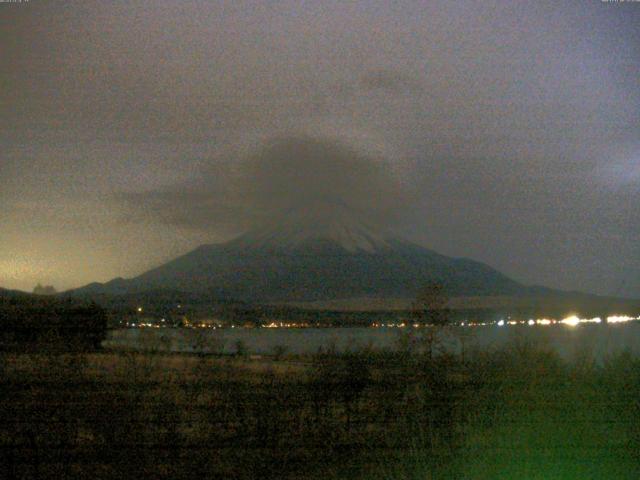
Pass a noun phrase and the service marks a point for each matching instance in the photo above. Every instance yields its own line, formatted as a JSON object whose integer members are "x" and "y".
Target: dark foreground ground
{"x": 519, "y": 412}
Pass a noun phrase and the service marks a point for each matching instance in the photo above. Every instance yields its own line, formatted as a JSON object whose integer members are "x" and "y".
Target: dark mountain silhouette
{"x": 315, "y": 254}
{"x": 6, "y": 294}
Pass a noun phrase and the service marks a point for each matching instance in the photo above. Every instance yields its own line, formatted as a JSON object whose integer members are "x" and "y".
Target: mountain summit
{"x": 312, "y": 254}
{"x": 326, "y": 222}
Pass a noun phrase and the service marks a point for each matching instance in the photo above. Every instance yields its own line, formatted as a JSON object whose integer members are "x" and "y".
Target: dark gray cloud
{"x": 282, "y": 173}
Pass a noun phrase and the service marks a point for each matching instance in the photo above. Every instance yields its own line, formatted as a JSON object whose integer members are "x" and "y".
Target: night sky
{"x": 507, "y": 132}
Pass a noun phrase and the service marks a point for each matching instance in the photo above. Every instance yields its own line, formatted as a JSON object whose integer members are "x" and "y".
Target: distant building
{"x": 46, "y": 290}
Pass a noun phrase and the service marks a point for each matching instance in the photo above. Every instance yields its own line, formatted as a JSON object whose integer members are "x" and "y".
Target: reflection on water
{"x": 567, "y": 337}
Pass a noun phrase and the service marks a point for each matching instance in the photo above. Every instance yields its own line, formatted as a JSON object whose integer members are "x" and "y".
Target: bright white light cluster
{"x": 571, "y": 321}
{"x": 620, "y": 319}
{"x": 286, "y": 325}
{"x": 574, "y": 320}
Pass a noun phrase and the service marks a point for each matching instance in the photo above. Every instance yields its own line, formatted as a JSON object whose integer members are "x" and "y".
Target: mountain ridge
{"x": 322, "y": 252}
{"x": 294, "y": 263}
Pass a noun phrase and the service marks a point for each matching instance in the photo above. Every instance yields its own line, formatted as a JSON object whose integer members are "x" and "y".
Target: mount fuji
{"x": 323, "y": 252}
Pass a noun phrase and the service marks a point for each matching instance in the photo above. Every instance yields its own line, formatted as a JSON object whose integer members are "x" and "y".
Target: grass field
{"x": 517, "y": 412}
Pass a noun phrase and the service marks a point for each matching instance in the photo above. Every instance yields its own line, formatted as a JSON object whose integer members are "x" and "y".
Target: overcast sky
{"x": 507, "y": 132}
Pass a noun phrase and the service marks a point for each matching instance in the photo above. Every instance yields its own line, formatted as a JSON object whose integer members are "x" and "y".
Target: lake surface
{"x": 569, "y": 341}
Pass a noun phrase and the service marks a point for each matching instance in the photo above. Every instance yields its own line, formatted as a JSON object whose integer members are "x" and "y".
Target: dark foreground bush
{"x": 33, "y": 323}
{"x": 516, "y": 413}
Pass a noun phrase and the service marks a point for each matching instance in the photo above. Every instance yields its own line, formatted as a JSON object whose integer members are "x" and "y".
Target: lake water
{"x": 568, "y": 341}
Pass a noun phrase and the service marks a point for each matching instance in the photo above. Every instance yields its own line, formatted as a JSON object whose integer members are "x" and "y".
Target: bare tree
{"x": 430, "y": 311}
